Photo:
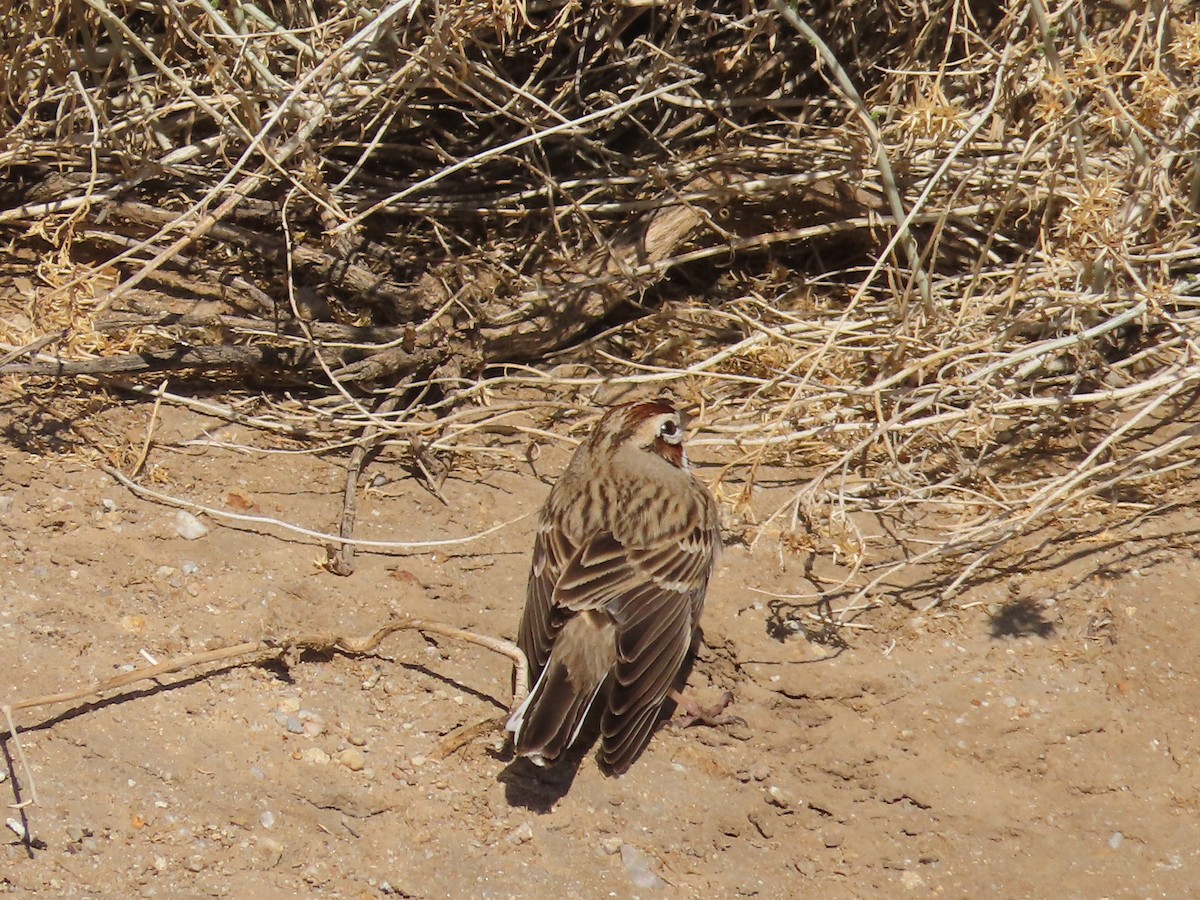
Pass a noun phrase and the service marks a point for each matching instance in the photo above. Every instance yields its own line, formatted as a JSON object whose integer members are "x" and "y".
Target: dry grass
{"x": 940, "y": 257}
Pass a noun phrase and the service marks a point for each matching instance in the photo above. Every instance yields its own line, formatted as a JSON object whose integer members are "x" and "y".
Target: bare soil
{"x": 1038, "y": 739}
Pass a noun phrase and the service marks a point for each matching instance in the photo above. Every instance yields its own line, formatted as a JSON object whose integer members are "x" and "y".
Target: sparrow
{"x": 626, "y": 544}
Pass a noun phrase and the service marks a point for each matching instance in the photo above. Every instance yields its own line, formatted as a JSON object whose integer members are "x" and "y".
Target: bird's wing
{"x": 541, "y": 622}
{"x": 653, "y": 595}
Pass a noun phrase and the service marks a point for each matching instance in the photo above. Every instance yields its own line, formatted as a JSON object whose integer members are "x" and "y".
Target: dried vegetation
{"x": 936, "y": 261}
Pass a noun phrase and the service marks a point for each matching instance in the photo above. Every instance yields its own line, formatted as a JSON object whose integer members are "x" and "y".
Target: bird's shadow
{"x": 538, "y": 788}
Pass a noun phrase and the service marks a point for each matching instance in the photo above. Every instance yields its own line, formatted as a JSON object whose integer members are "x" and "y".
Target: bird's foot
{"x": 692, "y": 713}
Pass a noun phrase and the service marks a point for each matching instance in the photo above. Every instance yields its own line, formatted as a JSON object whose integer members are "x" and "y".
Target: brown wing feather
{"x": 656, "y": 618}
{"x": 540, "y": 622}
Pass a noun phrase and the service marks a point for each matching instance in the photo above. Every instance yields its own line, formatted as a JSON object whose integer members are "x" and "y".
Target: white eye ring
{"x": 671, "y": 432}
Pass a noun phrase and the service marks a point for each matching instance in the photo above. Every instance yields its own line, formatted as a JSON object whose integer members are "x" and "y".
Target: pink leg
{"x": 693, "y": 713}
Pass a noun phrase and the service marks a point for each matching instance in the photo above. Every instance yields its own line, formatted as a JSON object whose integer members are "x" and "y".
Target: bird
{"x": 626, "y": 544}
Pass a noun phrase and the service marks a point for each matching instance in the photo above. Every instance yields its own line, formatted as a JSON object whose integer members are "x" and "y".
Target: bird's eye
{"x": 670, "y": 431}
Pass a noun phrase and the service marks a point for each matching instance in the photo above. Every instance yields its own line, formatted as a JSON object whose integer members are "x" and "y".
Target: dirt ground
{"x": 1038, "y": 739}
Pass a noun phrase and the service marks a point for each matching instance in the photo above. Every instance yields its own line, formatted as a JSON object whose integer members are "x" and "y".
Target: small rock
{"x": 763, "y": 825}
{"x": 189, "y": 567}
{"x": 315, "y": 755}
{"x": 1116, "y": 840}
{"x": 777, "y": 796}
{"x": 74, "y": 834}
{"x": 806, "y": 867}
{"x": 637, "y": 864}
{"x": 294, "y": 725}
{"x": 271, "y": 847}
{"x": 267, "y": 819}
{"x": 832, "y": 839}
{"x": 188, "y": 526}
{"x": 521, "y": 835}
{"x": 353, "y": 759}
{"x": 912, "y": 881}
{"x": 611, "y": 845}
{"x": 134, "y": 624}
{"x": 111, "y": 520}
{"x": 194, "y": 863}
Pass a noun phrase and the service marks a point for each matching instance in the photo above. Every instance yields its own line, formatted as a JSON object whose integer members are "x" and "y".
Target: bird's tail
{"x": 550, "y": 718}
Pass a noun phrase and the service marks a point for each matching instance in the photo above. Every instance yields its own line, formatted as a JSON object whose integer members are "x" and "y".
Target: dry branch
{"x": 920, "y": 260}
{"x": 251, "y": 653}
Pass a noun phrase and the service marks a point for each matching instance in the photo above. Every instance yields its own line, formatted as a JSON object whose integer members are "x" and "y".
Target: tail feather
{"x": 550, "y": 718}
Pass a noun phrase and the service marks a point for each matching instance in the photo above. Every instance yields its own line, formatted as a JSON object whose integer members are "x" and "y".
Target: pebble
{"x": 806, "y": 867}
{"x": 611, "y": 845}
{"x": 188, "y": 526}
{"x": 133, "y": 624}
{"x": 74, "y": 834}
{"x": 353, "y": 759}
{"x": 777, "y": 796}
{"x": 637, "y": 864}
{"x": 357, "y": 740}
{"x": 523, "y": 834}
{"x": 194, "y": 863}
{"x": 267, "y": 819}
{"x": 113, "y": 520}
{"x": 1116, "y": 840}
{"x": 912, "y": 881}
{"x": 315, "y": 755}
{"x": 294, "y": 725}
{"x": 763, "y": 824}
{"x": 189, "y": 567}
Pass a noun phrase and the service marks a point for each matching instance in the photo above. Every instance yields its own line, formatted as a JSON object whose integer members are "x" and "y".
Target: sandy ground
{"x": 1039, "y": 739}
